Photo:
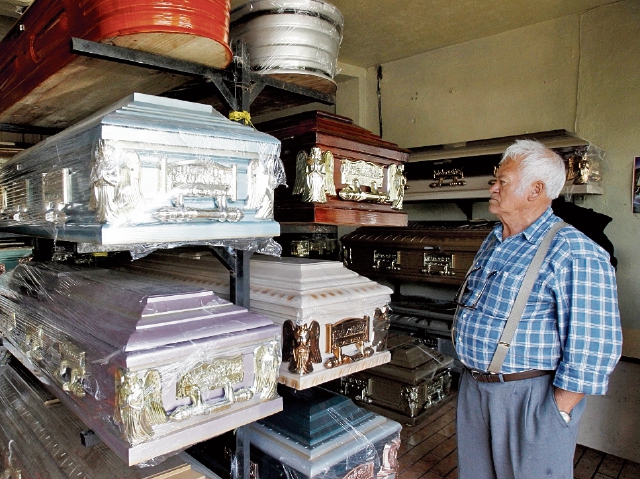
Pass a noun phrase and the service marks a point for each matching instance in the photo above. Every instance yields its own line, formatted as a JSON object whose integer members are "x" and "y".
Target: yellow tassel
{"x": 242, "y": 117}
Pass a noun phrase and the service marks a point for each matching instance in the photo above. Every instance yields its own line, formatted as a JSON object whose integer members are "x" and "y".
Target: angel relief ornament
{"x": 314, "y": 176}
{"x": 301, "y": 346}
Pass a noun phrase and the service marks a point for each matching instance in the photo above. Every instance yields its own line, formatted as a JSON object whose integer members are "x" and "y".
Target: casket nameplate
{"x": 301, "y": 346}
{"x": 455, "y": 177}
{"x": 344, "y": 333}
{"x": 363, "y": 471}
{"x": 438, "y": 264}
{"x": 386, "y": 261}
{"x": 222, "y": 373}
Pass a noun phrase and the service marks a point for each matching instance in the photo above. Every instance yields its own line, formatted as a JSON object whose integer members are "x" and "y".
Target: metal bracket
{"x": 237, "y": 262}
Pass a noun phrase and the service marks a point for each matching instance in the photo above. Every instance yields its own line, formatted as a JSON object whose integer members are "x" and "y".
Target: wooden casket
{"x": 146, "y": 170}
{"x": 44, "y": 84}
{"x": 149, "y": 365}
{"x": 334, "y": 321}
{"x": 292, "y": 40}
{"x": 408, "y": 387}
{"x": 319, "y": 434}
{"x": 424, "y": 252}
{"x": 40, "y": 439}
{"x": 344, "y": 174}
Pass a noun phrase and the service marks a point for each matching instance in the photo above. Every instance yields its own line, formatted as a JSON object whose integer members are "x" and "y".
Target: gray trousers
{"x": 514, "y": 430}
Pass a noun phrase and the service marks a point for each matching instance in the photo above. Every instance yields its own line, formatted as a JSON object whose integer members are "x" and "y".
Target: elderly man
{"x": 521, "y": 397}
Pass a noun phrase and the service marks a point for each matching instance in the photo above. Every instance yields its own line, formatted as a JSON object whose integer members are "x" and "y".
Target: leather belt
{"x": 485, "y": 377}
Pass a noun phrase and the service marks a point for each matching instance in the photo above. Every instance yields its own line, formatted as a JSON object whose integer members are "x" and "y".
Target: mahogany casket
{"x": 334, "y": 321}
{"x": 149, "y": 365}
{"x": 40, "y": 439}
{"x": 407, "y": 388}
{"x": 319, "y": 434}
{"x": 423, "y": 252}
{"x": 344, "y": 174}
{"x": 146, "y": 170}
{"x": 292, "y": 40}
{"x": 44, "y": 83}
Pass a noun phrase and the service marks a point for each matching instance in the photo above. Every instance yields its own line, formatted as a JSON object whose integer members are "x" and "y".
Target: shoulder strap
{"x": 521, "y": 299}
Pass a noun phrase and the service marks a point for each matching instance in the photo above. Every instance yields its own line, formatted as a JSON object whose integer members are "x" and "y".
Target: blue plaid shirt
{"x": 571, "y": 322}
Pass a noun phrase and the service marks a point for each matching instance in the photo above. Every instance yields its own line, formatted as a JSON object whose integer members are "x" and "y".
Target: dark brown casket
{"x": 425, "y": 252}
{"x": 406, "y": 389}
{"x": 40, "y": 439}
{"x": 344, "y": 174}
{"x": 44, "y": 84}
{"x": 149, "y": 365}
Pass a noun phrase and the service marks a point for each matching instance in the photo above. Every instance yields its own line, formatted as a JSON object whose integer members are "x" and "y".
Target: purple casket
{"x": 151, "y": 366}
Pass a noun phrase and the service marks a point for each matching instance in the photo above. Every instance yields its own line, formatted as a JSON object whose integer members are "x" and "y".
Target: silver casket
{"x": 40, "y": 439}
{"x": 291, "y": 37}
{"x": 334, "y": 321}
{"x": 149, "y": 365}
{"x": 145, "y": 170}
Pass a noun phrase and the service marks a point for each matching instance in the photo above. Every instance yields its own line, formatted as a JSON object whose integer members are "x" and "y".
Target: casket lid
{"x": 315, "y": 416}
{"x": 167, "y": 121}
{"x": 123, "y": 310}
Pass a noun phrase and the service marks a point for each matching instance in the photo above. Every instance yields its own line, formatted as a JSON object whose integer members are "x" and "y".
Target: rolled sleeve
{"x": 589, "y": 327}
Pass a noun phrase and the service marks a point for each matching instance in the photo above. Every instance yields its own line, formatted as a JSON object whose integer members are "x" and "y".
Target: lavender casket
{"x": 151, "y": 366}
{"x": 334, "y": 321}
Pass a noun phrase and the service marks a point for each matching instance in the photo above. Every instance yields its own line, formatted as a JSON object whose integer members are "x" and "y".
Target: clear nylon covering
{"x": 146, "y": 171}
{"x": 296, "y": 36}
{"x": 150, "y": 365}
{"x": 40, "y": 439}
{"x": 335, "y": 318}
{"x": 319, "y": 434}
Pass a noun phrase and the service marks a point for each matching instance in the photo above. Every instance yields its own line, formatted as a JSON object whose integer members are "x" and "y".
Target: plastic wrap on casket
{"x": 334, "y": 321}
{"x": 145, "y": 170}
{"x": 319, "y": 434}
{"x": 41, "y": 439}
{"x": 295, "y": 36}
{"x": 151, "y": 366}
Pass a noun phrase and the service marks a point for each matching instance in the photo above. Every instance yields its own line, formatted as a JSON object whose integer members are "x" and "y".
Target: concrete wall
{"x": 580, "y": 73}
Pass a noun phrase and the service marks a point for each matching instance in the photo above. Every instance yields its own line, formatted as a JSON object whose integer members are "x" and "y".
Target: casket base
{"x": 300, "y": 382}
{"x": 163, "y": 445}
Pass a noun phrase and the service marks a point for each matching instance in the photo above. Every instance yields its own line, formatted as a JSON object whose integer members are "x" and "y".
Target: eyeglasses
{"x": 463, "y": 289}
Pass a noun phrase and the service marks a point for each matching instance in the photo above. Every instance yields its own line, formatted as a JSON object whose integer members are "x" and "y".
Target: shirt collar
{"x": 535, "y": 231}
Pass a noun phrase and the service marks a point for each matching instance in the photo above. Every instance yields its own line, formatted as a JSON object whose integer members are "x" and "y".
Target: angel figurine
{"x": 314, "y": 176}
{"x": 301, "y": 346}
{"x": 138, "y": 404}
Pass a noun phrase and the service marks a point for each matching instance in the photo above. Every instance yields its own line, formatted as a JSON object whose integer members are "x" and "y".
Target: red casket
{"x": 44, "y": 84}
{"x": 366, "y": 173}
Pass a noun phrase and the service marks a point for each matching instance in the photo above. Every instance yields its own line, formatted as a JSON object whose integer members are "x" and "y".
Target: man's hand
{"x": 566, "y": 400}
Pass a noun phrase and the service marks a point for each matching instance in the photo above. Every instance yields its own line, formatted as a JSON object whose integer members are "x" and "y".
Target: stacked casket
{"x": 40, "y": 439}
{"x": 292, "y": 40}
{"x": 424, "y": 252}
{"x": 45, "y": 84}
{"x": 147, "y": 170}
{"x": 149, "y": 365}
{"x": 334, "y": 321}
{"x": 319, "y": 434}
{"x": 407, "y": 388}
{"x": 344, "y": 174}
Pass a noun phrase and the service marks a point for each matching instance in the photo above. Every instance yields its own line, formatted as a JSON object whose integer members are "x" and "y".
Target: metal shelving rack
{"x": 237, "y": 87}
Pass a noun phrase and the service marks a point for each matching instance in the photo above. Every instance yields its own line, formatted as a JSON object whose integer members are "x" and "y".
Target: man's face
{"x": 504, "y": 200}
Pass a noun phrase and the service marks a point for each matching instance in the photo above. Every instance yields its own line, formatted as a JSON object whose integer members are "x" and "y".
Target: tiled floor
{"x": 428, "y": 451}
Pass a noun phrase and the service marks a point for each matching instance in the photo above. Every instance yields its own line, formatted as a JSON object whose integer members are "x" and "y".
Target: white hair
{"x": 537, "y": 163}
